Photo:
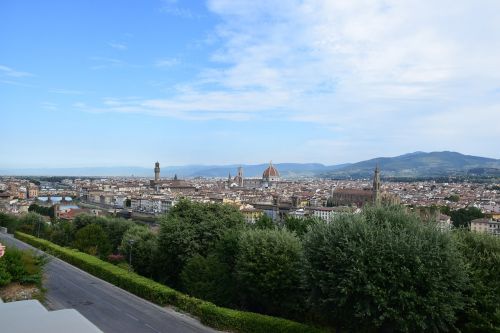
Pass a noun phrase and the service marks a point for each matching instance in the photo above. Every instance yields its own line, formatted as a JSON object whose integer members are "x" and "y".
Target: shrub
{"x": 21, "y": 266}
{"x": 384, "y": 269}
{"x": 268, "y": 271}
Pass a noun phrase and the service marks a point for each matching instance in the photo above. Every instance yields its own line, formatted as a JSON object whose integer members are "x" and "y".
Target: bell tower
{"x": 376, "y": 185}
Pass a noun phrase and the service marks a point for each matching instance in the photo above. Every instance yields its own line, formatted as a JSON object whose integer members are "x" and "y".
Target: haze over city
{"x": 92, "y": 83}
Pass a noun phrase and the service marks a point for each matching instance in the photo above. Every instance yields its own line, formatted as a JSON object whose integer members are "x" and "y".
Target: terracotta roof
{"x": 271, "y": 171}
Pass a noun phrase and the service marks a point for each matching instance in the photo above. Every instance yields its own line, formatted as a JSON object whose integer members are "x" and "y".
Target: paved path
{"x": 110, "y": 308}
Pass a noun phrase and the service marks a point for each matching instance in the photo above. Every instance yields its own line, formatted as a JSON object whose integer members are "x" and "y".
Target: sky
{"x": 127, "y": 83}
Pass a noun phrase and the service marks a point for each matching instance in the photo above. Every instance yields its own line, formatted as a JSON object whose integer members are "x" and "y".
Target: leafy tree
{"x": 264, "y": 222}
{"x": 268, "y": 272}
{"x": 93, "y": 240}
{"x": 461, "y": 217}
{"x": 191, "y": 228}
{"x": 453, "y": 198}
{"x": 33, "y": 223}
{"x": 83, "y": 220}
{"x": 142, "y": 244}
{"x": 208, "y": 278}
{"x": 115, "y": 228}
{"x": 63, "y": 232}
{"x": 42, "y": 210}
{"x": 9, "y": 221}
{"x": 299, "y": 226}
{"x": 384, "y": 270}
{"x": 482, "y": 254}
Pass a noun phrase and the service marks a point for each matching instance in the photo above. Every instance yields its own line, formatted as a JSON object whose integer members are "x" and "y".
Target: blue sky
{"x": 126, "y": 83}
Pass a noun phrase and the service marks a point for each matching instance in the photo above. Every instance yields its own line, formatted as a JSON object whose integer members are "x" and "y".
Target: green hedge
{"x": 209, "y": 314}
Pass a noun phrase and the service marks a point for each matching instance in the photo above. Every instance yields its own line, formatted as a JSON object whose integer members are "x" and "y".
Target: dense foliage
{"x": 482, "y": 254}
{"x": 24, "y": 267}
{"x": 42, "y": 210}
{"x": 189, "y": 229}
{"x": 381, "y": 270}
{"x": 268, "y": 271}
{"x": 384, "y": 269}
{"x": 209, "y": 314}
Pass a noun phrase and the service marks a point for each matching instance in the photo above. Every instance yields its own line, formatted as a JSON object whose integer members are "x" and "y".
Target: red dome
{"x": 271, "y": 171}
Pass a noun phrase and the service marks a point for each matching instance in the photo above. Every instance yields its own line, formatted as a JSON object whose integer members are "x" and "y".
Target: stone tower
{"x": 240, "y": 176}
{"x": 376, "y": 185}
{"x": 157, "y": 171}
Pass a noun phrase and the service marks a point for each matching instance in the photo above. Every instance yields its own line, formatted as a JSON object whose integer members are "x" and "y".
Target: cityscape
{"x": 311, "y": 166}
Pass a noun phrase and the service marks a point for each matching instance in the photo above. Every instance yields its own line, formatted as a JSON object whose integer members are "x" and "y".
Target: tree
{"x": 9, "y": 221}
{"x": 83, "y": 220}
{"x": 191, "y": 228}
{"x": 482, "y": 254}
{"x": 299, "y": 226}
{"x": 209, "y": 279}
{"x": 63, "y": 232}
{"x": 268, "y": 272}
{"x": 115, "y": 228}
{"x": 141, "y": 243}
{"x": 264, "y": 222}
{"x": 93, "y": 240}
{"x": 384, "y": 270}
{"x": 33, "y": 223}
{"x": 461, "y": 217}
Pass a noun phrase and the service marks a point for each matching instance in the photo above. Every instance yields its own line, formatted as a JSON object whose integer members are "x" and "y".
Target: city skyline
{"x": 87, "y": 84}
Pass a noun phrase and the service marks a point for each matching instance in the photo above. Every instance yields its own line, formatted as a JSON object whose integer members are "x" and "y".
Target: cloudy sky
{"x": 126, "y": 83}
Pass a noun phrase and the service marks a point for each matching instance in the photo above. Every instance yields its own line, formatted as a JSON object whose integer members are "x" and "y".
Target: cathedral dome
{"x": 270, "y": 172}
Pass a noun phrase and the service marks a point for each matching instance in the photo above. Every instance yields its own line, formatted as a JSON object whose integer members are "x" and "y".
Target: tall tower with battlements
{"x": 157, "y": 171}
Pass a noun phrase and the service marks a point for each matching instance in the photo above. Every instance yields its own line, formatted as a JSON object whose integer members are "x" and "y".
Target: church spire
{"x": 376, "y": 184}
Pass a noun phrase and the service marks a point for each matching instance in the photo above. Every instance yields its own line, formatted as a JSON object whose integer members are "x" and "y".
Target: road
{"x": 108, "y": 307}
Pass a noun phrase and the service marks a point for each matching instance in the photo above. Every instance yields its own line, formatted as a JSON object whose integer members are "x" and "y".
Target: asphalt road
{"x": 108, "y": 307}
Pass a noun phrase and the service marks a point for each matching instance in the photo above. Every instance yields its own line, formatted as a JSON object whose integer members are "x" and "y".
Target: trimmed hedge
{"x": 209, "y": 314}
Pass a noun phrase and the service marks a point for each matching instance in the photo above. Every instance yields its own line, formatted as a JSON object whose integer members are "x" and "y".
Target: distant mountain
{"x": 417, "y": 164}
{"x": 287, "y": 170}
{"x": 421, "y": 164}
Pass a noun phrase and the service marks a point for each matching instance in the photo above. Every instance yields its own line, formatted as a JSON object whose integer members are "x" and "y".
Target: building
{"x": 485, "y": 225}
{"x": 270, "y": 178}
{"x": 361, "y": 197}
{"x": 157, "y": 171}
{"x": 251, "y": 214}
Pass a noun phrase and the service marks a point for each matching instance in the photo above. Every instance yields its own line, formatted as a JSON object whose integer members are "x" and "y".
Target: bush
{"x": 268, "y": 272}
{"x": 209, "y": 314}
{"x": 482, "y": 254}
{"x": 384, "y": 269}
{"x": 21, "y": 266}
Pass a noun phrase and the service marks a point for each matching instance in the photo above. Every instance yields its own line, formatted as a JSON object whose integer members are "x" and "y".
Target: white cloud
{"x": 370, "y": 67}
{"x": 167, "y": 62}
{"x": 118, "y": 46}
{"x": 67, "y": 92}
{"x": 103, "y": 63}
{"x": 8, "y": 71}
